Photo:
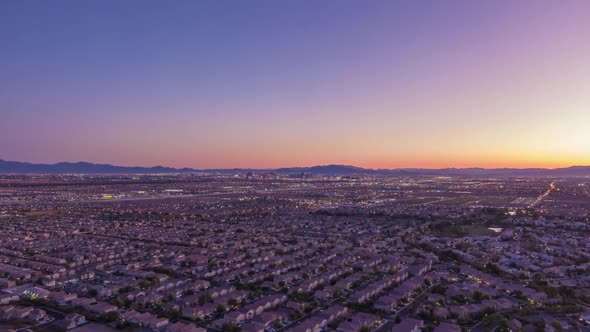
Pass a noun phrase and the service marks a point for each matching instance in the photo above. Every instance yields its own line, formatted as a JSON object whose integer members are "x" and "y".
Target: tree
{"x": 205, "y": 298}
{"x": 439, "y": 289}
{"x": 492, "y": 269}
{"x": 478, "y": 295}
{"x": 539, "y": 325}
{"x": 230, "y": 327}
{"x": 112, "y": 316}
{"x": 459, "y": 299}
{"x": 557, "y": 326}
{"x": 119, "y": 302}
{"x": 504, "y": 326}
{"x": 220, "y": 309}
{"x": 294, "y": 315}
{"x": 277, "y": 323}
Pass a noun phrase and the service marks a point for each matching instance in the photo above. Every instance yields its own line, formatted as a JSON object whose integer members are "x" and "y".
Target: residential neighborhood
{"x": 265, "y": 252}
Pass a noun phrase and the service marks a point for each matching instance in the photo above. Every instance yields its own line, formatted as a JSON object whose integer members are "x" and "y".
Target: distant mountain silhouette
{"x": 345, "y": 170}
{"x": 81, "y": 168}
{"x": 16, "y": 167}
{"x": 324, "y": 170}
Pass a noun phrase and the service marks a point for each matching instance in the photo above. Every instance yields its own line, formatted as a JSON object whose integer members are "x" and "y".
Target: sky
{"x": 220, "y": 84}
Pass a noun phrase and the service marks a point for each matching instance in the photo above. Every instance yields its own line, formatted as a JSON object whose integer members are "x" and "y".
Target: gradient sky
{"x": 379, "y": 84}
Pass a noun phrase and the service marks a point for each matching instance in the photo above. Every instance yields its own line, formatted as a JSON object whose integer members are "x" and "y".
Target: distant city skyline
{"x": 268, "y": 84}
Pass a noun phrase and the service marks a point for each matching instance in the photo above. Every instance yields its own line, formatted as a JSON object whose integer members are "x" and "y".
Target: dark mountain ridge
{"x": 16, "y": 167}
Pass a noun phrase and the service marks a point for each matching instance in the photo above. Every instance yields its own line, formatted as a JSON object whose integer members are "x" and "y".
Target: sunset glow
{"x": 222, "y": 84}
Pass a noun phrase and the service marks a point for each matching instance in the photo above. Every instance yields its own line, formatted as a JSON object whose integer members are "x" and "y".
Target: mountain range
{"x": 16, "y": 167}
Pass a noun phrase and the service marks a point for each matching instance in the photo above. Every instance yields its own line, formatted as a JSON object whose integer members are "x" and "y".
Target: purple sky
{"x": 286, "y": 83}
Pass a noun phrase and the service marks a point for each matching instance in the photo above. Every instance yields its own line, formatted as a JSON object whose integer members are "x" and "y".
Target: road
{"x": 545, "y": 194}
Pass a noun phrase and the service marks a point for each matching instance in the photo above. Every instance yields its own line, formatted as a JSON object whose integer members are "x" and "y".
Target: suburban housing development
{"x": 299, "y": 252}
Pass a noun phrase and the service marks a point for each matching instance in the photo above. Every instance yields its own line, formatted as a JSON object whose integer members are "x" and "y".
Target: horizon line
{"x": 287, "y": 167}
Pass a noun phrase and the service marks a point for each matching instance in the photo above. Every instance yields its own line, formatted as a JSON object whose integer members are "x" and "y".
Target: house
{"x": 356, "y": 323}
{"x": 7, "y": 283}
{"x": 199, "y": 312}
{"x": 77, "y": 318}
{"x": 151, "y": 298}
{"x": 514, "y": 324}
{"x": 313, "y": 324}
{"x": 461, "y": 311}
{"x": 193, "y": 313}
{"x": 408, "y": 325}
{"x": 182, "y": 327}
{"x": 440, "y": 312}
{"x": 235, "y": 316}
{"x": 33, "y": 292}
{"x": 252, "y": 327}
{"x": 299, "y": 306}
{"x": 218, "y": 323}
{"x": 322, "y": 295}
{"x": 148, "y": 320}
{"x": 82, "y": 302}
{"x": 447, "y": 327}
{"x": 65, "y": 324}
{"x": 386, "y": 303}
{"x": 62, "y": 298}
{"x": 38, "y": 315}
{"x": 276, "y": 299}
{"x": 128, "y": 315}
{"x": 5, "y": 311}
{"x": 157, "y": 323}
{"x": 101, "y": 308}
{"x": 6, "y": 298}
{"x": 248, "y": 311}
{"x": 20, "y": 313}
{"x": 197, "y": 259}
{"x": 253, "y": 309}
{"x": 266, "y": 319}
{"x": 333, "y": 313}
